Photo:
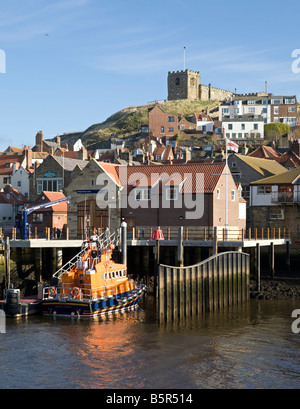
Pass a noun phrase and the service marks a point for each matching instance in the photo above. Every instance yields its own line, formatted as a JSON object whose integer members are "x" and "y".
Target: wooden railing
{"x": 207, "y": 233}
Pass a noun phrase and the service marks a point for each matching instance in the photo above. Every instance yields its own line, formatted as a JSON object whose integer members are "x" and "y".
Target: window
{"x": 37, "y": 218}
{"x": 230, "y": 127}
{"x": 265, "y": 110}
{"x": 256, "y": 126}
{"x": 264, "y": 102}
{"x": 236, "y": 110}
{"x": 177, "y": 81}
{"x": 251, "y": 110}
{"x": 276, "y": 110}
{"x": 232, "y": 195}
{"x": 236, "y": 102}
{"x": 225, "y": 110}
{"x": 171, "y": 119}
{"x": 240, "y": 135}
{"x": 171, "y": 129}
{"x": 292, "y": 109}
{"x": 275, "y": 118}
{"x": 251, "y": 102}
{"x": 142, "y": 194}
{"x": 19, "y": 183}
{"x": 242, "y": 127}
{"x": 264, "y": 190}
{"x": 218, "y": 194}
{"x": 162, "y": 129}
{"x": 50, "y": 185}
{"x": 290, "y": 100}
{"x": 276, "y": 101}
{"x": 233, "y": 135}
{"x": 171, "y": 193}
{"x": 276, "y": 214}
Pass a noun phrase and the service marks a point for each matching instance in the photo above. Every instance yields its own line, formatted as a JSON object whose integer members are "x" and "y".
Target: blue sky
{"x": 73, "y": 63}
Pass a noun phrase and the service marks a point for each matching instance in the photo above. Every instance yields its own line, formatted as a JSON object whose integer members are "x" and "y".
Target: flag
{"x": 232, "y": 146}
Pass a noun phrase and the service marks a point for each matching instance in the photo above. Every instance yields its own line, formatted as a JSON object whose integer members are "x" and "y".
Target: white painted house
{"x": 203, "y": 123}
{"x": 244, "y": 127}
{"x": 20, "y": 181}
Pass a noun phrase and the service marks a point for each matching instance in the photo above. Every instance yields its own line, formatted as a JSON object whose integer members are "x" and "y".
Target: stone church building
{"x": 187, "y": 85}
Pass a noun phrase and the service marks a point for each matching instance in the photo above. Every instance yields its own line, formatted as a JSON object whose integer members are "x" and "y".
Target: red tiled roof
{"x": 266, "y": 152}
{"x": 50, "y": 197}
{"x": 9, "y": 159}
{"x": 185, "y": 173}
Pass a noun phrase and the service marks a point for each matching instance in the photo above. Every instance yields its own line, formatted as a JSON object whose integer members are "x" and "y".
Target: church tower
{"x": 184, "y": 85}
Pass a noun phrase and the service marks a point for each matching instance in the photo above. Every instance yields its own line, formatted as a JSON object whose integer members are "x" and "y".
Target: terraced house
{"x": 275, "y": 203}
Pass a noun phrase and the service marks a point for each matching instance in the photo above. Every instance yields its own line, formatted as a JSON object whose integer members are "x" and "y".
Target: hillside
{"x": 128, "y": 121}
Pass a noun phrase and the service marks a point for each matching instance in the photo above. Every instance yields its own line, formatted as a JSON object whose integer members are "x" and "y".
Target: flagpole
{"x": 226, "y": 188}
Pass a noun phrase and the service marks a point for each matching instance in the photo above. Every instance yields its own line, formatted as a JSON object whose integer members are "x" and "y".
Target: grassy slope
{"x": 129, "y": 120}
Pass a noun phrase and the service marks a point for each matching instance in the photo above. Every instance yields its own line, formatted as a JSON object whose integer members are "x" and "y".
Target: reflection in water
{"x": 250, "y": 346}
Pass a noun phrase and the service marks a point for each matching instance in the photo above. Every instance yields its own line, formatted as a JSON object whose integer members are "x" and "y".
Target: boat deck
{"x": 31, "y": 299}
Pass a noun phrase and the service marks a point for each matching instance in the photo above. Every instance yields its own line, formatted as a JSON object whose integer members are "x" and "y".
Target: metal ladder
{"x": 103, "y": 242}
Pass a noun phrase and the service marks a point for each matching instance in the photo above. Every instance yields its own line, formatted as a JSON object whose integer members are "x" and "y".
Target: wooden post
{"x": 124, "y": 242}
{"x": 257, "y": 267}
{"x": 180, "y": 256}
{"x": 288, "y": 258}
{"x": 7, "y": 262}
{"x": 215, "y": 245}
{"x": 272, "y": 260}
{"x": 161, "y": 295}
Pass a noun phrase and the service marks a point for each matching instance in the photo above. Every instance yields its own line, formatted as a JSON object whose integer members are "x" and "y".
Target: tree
{"x": 275, "y": 130}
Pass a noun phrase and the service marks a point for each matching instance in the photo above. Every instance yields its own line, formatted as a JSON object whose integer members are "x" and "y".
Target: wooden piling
{"x": 209, "y": 286}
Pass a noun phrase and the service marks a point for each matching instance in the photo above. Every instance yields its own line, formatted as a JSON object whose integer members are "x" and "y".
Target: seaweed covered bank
{"x": 283, "y": 289}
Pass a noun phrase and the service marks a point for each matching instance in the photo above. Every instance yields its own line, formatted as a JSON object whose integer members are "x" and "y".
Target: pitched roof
{"x": 45, "y": 197}
{"x": 13, "y": 197}
{"x": 150, "y": 174}
{"x": 266, "y": 152}
{"x": 285, "y": 178}
{"x": 4, "y": 160}
{"x": 69, "y": 164}
{"x": 266, "y": 167}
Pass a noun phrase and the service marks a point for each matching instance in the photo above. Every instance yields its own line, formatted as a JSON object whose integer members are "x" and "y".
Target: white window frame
{"x": 173, "y": 189}
{"x": 145, "y": 194}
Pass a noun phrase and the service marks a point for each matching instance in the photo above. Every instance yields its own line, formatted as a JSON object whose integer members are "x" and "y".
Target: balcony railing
{"x": 285, "y": 197}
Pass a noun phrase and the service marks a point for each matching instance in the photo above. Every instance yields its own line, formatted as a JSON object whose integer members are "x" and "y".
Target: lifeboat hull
{"x": 93, "y": 308}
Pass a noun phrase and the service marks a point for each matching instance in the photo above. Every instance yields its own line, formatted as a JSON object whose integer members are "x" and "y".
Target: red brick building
{"x": 53, "y": 217}
{"x": 162, "y": 124}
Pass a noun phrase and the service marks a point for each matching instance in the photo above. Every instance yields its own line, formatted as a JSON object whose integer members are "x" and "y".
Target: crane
{"x": 27, "y": 211}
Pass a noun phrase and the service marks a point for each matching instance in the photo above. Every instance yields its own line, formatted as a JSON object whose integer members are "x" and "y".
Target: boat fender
{"x": 75, "y": 292}
{"x": 52, "y": 292}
